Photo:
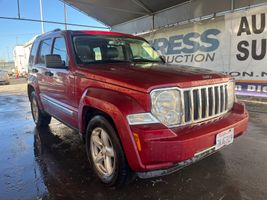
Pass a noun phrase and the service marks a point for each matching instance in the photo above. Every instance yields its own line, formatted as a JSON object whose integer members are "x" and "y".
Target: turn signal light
{"x": 137, "y": 141}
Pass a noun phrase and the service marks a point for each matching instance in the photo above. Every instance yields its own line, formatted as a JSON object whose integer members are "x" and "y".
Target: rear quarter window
{"x": 32, "y": 56}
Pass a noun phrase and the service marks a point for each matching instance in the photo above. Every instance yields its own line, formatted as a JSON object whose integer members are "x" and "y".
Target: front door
{"x": 59, "y": 96}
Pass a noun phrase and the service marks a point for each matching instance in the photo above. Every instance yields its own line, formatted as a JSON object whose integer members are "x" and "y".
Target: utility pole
{"x": 18, "y": 9}
{"x": 65, "y": 16}
{"x": 42, "y": 17}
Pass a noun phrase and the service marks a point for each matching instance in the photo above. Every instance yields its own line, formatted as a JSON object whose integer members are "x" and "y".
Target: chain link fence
{"x": 7, "y": 66}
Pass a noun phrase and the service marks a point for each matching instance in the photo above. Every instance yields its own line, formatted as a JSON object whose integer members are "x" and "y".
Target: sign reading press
{"x": 234, "y": 44}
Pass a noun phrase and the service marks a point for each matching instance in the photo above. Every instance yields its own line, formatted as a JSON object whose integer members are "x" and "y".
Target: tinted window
{"x": 33, "y": 53}
{"x": 45, "y": 48}
{"x": 59, "y": 48}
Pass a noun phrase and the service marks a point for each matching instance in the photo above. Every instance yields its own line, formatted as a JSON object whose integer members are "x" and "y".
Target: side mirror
{"x": 54, "y": 61}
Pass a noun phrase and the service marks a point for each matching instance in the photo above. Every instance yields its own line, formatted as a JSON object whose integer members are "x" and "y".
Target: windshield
{"x": 102, "y": 49}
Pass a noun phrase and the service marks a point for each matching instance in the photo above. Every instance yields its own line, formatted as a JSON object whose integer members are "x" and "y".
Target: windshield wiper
{"x": 105, "y": 61}
{"x": 145, "y": 60}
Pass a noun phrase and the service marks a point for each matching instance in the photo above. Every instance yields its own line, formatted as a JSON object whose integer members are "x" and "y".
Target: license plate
{"x": 224, "y": 138}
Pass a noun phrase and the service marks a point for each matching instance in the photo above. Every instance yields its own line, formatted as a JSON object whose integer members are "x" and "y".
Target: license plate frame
{"x": 224, "y": 138}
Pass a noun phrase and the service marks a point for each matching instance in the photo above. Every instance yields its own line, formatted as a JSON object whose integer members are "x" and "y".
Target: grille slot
{"x": 204, "y": 102}
{"x": 187, "y": 103}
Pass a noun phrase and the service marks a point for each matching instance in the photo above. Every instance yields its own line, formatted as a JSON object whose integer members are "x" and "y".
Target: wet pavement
{"x": 51, "y": 163}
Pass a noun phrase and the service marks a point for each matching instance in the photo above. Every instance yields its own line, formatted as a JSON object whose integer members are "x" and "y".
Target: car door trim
{"x": 54, "y": 103}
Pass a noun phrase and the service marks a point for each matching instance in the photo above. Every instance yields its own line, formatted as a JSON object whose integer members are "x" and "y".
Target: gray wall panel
{"x": 136, "y": 26}
{"x": 245, "y": 3}
{"x": 207, "y": 7}
{"x": 170, "y": 16}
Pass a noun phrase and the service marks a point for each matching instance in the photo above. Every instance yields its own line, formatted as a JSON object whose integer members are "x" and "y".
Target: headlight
{"x": 231, "y": 94}
{"x": 166, "y": 106}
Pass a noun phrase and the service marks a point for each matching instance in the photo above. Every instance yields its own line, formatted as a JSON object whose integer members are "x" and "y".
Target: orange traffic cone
{"x": 17, "y": 73}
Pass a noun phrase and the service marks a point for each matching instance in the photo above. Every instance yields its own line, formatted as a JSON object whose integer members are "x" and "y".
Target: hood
{"x": 146, "y": 76}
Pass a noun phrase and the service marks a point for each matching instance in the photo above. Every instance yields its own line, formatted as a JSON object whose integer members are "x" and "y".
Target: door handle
{"x": 34, "y": 70}
{"x": 48, "y": 73}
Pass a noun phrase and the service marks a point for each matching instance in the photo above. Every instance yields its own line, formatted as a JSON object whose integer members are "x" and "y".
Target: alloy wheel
{"x": 35, "y": 110}
{"x": 102, "y": 152}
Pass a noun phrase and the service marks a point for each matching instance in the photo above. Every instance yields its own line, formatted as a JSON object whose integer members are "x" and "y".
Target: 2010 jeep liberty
{"x": 136, "y": 114}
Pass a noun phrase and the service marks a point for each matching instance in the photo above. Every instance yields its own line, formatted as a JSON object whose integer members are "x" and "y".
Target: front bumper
{"x": 163, "y": 172}
{"x": 165, "y": 150}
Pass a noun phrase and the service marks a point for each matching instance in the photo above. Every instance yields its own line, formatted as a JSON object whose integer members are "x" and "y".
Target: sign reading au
{"x": 234, "y": 44}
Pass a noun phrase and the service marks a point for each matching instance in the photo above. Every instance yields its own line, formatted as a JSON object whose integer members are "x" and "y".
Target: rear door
{"x": 44, "y": 81}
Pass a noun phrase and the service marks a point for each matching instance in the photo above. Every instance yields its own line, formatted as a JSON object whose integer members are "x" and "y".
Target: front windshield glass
{"x": 105, "y": 49}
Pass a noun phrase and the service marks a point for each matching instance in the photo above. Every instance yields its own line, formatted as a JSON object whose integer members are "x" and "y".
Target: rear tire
{"x": 105, "y": 153}
{"x": 39, "y": 117}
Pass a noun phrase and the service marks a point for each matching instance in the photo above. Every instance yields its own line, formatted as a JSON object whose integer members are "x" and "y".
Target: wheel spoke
{"x": 108, "y": 165}
{"x": 104, "y": 138}
{"x": 97, "y": 141}
{"x": 109, "y": 152}
{"x": 99, "y": 157}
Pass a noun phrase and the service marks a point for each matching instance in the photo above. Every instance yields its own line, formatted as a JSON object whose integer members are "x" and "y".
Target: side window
{"x": 45, "y": 48}
{"x": 59, "y": 48}
{"x": 33, "y": 53}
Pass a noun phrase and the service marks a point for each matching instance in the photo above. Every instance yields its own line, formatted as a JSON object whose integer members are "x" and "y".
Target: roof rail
{"x": 55, "y": 30}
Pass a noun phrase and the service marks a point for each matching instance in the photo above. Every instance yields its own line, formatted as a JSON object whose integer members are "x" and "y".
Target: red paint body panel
{"x": 145, "y": 77}
{"x": 123, "y": 88}
{"x": 163, "y": 147}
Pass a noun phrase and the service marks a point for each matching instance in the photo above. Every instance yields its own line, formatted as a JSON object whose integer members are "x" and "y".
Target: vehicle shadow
{"x": 67, "y": 174}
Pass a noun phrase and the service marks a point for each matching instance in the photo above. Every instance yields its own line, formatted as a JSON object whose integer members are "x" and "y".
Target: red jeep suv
{"x": 136, "y": 114}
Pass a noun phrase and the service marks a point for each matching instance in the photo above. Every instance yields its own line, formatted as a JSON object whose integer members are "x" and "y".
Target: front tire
{"x": 40, "y": 118}
{"x": 105, "y": 153}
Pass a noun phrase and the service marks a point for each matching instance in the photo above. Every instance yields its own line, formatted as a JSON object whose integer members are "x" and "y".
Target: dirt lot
{"x": 50, "y": 163}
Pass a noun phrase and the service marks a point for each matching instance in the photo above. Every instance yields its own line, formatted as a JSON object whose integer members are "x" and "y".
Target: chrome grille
{"x": 204, "y": 102}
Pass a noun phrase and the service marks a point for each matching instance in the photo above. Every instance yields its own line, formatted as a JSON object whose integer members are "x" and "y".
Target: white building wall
{"x": 21, "y": 55}
{"x": 19, "y": 58}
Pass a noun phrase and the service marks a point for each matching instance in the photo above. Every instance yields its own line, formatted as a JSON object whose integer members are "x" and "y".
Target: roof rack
{"x": 55, "y": 30}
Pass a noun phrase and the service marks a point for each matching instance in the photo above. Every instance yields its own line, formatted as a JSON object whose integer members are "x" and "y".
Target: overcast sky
{"x": 19, "y": 32}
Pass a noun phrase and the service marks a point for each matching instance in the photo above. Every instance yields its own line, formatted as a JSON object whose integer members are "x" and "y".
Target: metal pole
{"x": 153, "y": 21}
{"x": 18, "y": 8}
{"x": 41, "y": 13}
{"x": 65, "y": 16}
{"x": 232, "y": 5}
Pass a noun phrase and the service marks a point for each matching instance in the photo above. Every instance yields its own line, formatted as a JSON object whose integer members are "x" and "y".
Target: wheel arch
{"x": 104, "y": 102}
{"x": 30, "y": 89}
{"x": 90, "y": 112}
